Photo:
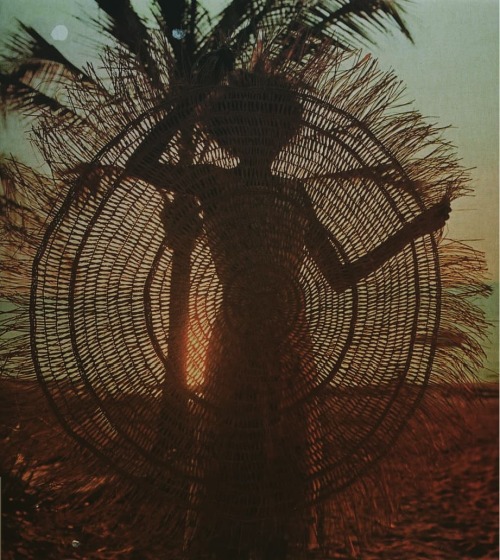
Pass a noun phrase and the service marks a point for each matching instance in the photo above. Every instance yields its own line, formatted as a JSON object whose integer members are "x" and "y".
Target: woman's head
{"x": 254, "y": 116}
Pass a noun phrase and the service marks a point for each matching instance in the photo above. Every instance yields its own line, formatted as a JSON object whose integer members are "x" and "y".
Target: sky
{"x": 451, "y": 71}
{"x": 451, "y": 74}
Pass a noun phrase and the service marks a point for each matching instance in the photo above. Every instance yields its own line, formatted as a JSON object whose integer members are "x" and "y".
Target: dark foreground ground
{"x": 456, "y": 516}
{"x": 452, "y": 516}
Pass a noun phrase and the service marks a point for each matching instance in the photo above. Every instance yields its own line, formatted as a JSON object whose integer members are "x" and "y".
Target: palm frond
{"x": 32, "y": 69}
{"x": 128, "y": 29}
{"x": 348, "y": 20}
{"x": 240, "y": 19}
{"x": 16, "y": 95}
{"x": 178, "y": 19}
{"x": 29, "y": 53}
{"x": 185, "y": 25}
{"x": 172, "y": 13}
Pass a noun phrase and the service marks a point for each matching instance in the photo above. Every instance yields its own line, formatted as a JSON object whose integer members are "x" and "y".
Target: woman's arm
{"x": 343, "y": 276}
{"x": 144, "y": 162}
{"x": 166, "y": 177}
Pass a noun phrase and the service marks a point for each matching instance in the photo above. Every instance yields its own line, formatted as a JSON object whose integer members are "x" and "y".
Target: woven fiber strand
{"x": 211, "y": 315}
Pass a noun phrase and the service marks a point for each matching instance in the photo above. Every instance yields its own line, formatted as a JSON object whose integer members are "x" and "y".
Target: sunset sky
{"x": 451, "y": 72}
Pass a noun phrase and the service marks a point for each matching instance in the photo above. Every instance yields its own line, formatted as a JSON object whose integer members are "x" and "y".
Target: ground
{"x": 453, "y": 516}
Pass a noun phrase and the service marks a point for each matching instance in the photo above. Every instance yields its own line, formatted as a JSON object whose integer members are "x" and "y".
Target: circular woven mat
{"x": 186, "y": 330}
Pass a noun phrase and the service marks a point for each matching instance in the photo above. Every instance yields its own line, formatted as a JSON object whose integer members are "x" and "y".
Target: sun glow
{"x": 196, "y": 355}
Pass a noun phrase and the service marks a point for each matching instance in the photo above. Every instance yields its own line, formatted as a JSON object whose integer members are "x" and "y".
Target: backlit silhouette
{"x": 310, "y": 314}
